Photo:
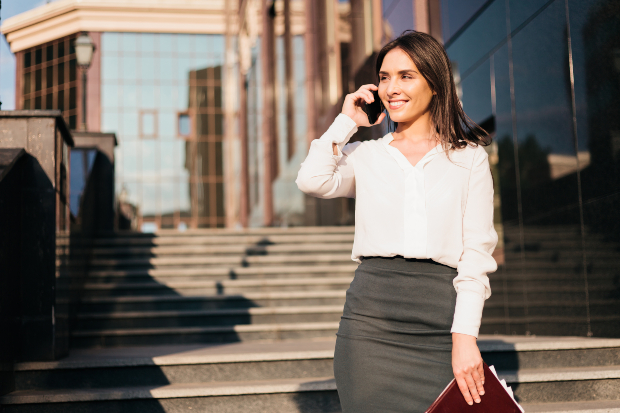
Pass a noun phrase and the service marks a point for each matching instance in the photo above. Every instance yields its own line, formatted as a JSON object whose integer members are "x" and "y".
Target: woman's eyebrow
{"x": 400, "y": 72}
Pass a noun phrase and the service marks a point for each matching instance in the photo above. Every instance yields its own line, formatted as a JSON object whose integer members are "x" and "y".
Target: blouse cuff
{"x": 340, "y": 132}
{"x": 467, "y": 313}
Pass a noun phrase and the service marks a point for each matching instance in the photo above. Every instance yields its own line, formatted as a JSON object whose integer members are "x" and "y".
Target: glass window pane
{"x": 148, "y": 127}
{"x": 109, "y": 96}
{"x": 185, "y": 43}
{"x": 109, "y": 122}
{"x": 455, "y": 13}
{"x": 130, "y": 124}
{"x": 109, "y": 67}
{"x": 486, "y": 32}
{"x": 167, "y": 43}
{"x": 167, "y": 68}
{"x": 109, "y": 42}
{"x": 167, "y": 127}
{"x": 521, "y": 10}
{"x": 150, "y": 159}
{"x": 129, "y": 64}
{"x": 128, "y": 43}
{"x": 184, "y": 125}
{"x": 147, "y": 68}
{"x": 148, "y": 97}
{"x": 130, "y": 160}
{"x": 477, "y": 93}
{"x": 147, "y": 43}
{"x": 168, "y": 164}
{"x": 129, "y": 95}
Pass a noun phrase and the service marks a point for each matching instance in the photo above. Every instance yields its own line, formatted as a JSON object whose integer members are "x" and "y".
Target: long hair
{"x": 453, "y": 127}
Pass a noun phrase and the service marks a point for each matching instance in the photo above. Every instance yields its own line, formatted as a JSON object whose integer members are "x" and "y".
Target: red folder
{"x": 495, "y": 399}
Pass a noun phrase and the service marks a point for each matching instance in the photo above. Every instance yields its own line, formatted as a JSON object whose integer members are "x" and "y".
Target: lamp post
{"x": 84, "y": 48}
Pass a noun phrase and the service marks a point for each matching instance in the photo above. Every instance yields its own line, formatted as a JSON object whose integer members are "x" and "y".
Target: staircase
{"x": 224, "y": 321}
{"x": 542, "y": 290}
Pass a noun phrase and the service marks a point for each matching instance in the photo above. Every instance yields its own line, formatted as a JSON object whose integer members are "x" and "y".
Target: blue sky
{"x": 7, "y": 60}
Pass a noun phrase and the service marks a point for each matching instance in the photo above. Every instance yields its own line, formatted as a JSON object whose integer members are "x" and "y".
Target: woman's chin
{"x": 398, "y": 117}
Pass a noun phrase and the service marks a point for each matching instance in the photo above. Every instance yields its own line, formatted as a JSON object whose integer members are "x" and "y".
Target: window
{"x": 148, "y": 124}
{"x": 184, "y": 128}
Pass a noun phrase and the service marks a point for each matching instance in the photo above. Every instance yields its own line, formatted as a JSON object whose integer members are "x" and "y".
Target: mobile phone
{"x": 374, "y": 109}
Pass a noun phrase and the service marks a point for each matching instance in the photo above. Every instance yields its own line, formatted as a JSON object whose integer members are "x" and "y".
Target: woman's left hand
{"x": 467, "y": 367}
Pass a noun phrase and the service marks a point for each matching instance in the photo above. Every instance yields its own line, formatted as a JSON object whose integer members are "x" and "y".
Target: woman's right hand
{"x": 353, "y": 102}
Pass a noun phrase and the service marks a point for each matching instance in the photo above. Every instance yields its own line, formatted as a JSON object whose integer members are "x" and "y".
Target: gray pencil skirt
{"x": 394, "y": 346}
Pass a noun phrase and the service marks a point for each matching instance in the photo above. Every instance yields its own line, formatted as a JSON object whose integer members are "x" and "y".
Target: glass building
{"x": 162, "y": 94}
{"x": 542, "y": 77}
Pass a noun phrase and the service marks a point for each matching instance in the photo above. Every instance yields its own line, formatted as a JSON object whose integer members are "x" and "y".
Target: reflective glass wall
{"x": 49, "y": 78}
{"x": 543, "y": 76}
{"x": 161, "y": 94}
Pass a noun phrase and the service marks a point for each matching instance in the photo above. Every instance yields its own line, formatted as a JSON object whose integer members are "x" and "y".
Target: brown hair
{"x": 454, "y": 128}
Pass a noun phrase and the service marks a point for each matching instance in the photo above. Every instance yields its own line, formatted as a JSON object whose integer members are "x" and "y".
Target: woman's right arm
{"x": 327, "y": 172}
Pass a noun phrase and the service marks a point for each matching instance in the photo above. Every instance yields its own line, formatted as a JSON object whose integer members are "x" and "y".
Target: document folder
{"x": 497, "y": 397}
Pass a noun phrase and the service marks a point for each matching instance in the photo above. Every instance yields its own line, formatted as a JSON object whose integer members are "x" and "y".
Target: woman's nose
{"x": 392, "y": 88}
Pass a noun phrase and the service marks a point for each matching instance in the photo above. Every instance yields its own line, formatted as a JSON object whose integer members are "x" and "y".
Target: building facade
{"x": 208, "y": 98}
{"x": 542, "y": 77}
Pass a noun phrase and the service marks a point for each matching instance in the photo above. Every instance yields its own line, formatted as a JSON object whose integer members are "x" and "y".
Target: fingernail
{"x": 482, "y": 393}
{"x": 477, "y": 400}
{"x": 470, "y": 403}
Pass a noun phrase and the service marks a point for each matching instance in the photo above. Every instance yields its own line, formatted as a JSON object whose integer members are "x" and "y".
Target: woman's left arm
{"x": 472, "y": 283}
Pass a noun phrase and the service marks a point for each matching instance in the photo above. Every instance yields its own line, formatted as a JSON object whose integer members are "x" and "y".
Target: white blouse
{"x": 440, "y": 209}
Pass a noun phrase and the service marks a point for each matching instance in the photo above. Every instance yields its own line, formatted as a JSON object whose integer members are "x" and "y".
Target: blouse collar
{"x": 402, "y": 160}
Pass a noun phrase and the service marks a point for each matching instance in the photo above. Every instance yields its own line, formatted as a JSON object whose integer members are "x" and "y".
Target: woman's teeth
{"x": 397, "y": 104}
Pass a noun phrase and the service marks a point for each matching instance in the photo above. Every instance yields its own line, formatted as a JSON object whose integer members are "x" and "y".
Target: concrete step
{"x": 207, "y": 318}
{"x": 242, "y": 239}
{"x": 555, "y": 294}
{"x": 188, "y": 250}
{"x": 576, "y": 281}
{"x": 192, "y": 335}
{"x": 597, "y": 406}
{"x": 276, "y": 271}
{"x": 604, "y": 325}
{"x": 246, "y": 300}
{"x": 245, "y": 231}
{"x": 571, "y": 308}
{"x": 222, "y": 260}
{"x": 162, "y": 365}
{"x": 194, "y": 288}
{"x": 273, "y": 396}
{"x": 544, "y": 388}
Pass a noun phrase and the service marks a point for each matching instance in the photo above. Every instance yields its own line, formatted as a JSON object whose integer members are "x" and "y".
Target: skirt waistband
{"x": 400, "y": 263}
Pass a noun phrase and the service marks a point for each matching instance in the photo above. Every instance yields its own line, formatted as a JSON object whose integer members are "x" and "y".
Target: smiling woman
{"x": 424, "y": 234}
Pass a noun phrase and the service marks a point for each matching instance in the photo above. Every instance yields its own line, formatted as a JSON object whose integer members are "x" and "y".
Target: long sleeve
{"x": 323, "y": 174}
{"x": 479, "y": 241}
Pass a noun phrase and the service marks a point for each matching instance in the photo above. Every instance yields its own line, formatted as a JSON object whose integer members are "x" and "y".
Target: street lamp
{"x": 84, "y": 48}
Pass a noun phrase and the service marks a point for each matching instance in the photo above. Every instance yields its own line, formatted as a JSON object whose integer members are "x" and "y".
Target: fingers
{"x": 380, "y": 119}
{"x": 465, "y": 390}
{"x": 471, "y": 385}
{"x": 361, "y": 95}
{"x": 473, "y": 390}
{"x": 369, "y": 86}
{"x": 478, "y": 381}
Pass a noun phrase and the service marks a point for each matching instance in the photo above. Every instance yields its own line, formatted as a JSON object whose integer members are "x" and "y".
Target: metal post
{"x": 83, "y": 124}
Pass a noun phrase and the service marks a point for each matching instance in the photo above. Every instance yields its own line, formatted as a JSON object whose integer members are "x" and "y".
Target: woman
{"x": 423, "y": 234}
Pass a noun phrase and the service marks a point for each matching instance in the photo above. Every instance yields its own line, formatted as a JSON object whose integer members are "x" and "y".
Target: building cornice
{"x": 64, "y": 17}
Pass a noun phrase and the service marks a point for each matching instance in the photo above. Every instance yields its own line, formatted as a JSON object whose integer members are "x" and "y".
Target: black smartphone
{"x": 374, "y": 109}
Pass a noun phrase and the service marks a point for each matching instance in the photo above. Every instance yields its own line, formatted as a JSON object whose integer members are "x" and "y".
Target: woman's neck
{"x": 417, "y": 130}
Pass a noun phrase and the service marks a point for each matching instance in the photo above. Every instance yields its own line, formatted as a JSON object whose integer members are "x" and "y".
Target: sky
{"x": 7, "y": 60}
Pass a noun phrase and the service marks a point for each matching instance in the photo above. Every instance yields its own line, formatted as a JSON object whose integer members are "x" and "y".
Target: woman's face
{"x": 403, "y": 90}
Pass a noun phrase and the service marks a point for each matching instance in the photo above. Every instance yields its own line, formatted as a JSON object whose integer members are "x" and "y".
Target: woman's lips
{"x": 397, "y": 104}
